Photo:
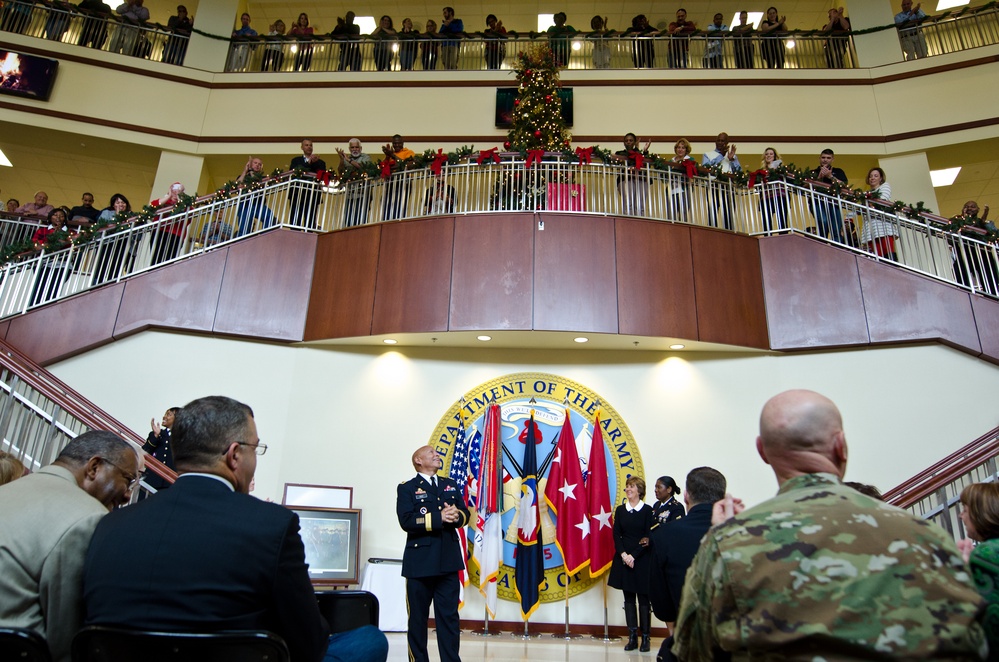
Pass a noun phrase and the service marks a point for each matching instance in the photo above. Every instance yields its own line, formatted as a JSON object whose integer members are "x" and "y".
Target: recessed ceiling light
{"x": 581, "y": 339}
{"x": 753, "y": 19}
{"x": 944, "y": 177}
{"x": 366, "y": 23}
{"x": 484, "y": 338}
{"x": 677, "y": 346}
{"x": 390, "y": 341}
{"x": 950, "y": 4}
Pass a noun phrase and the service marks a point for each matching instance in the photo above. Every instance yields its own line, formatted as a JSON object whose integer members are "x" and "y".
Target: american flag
{"x": 459, "y": 474}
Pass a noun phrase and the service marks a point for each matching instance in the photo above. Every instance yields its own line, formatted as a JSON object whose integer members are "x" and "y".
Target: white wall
{"x": 353, "y": 416}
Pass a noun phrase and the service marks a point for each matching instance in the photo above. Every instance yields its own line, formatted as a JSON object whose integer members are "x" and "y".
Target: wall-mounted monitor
{"x": 28, "y": 76}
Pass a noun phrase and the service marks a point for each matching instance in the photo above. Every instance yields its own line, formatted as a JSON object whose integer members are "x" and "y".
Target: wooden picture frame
{"x": 332, "y": 538}
{"x": 317, "y": 496}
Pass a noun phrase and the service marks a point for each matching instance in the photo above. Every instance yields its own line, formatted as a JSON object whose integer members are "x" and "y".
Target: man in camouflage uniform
{"x": 821, "y": 571}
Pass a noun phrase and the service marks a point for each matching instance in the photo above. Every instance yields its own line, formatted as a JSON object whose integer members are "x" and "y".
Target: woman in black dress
{"x": 667, "y": 508}
{"x": 630, "y": 570}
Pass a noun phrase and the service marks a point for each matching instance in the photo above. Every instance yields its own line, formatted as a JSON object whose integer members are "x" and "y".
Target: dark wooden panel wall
{"x": 258, "y": 288}
{"x": 544, "y": 272}
{"x": 525, "y": 271}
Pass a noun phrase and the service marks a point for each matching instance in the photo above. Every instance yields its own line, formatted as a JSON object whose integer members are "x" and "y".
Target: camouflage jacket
{"x": 822, "y": 572}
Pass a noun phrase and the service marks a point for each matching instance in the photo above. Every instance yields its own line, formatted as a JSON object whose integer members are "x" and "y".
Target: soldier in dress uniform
{"x": 666, "y": 508}
{"x": 431, "y": 509}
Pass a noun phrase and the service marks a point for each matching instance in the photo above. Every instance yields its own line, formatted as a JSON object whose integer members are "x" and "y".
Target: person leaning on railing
{"x": 838, "y": 42}
{"x": 772, "y": 44}
{"x": 407, "y": 46}
{"x": 386, "y": 35}
{"x": 358, "y": 193}
{"x": 181, "y": 25}
{"x": 910, "y": 35}
{"x": 601, "y": 49}
{"x": 974, "y": 261}
{"x": 430, "y": 47}
{"x": 878, "y": 235}
{"x": 745, "y": 51}
{"x": 95, "y": 23}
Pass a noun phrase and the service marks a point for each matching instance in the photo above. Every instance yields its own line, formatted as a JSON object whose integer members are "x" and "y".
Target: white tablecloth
{"x": 385, "y": 580}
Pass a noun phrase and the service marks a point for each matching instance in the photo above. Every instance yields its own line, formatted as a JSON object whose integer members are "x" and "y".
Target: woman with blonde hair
{"x": 980, "y": 515}
{"x": 629, "y": 572}
{"x": 878, "y": 235}
{"x": 10, "y": 468}
{"x": 679, "y": 188}
{"x": 773, "y": 198}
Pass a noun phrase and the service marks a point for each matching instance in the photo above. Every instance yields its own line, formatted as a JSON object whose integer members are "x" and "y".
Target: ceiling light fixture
{"x": 950, "y": 4}
{"x": 484, "y": 338}
{"x": 4, "y": 161}
{"x": 580, "y": 339}
{"x": 390, "y": 341}
{"x": 944, "y": 177}
{"x": 677, "y": 346}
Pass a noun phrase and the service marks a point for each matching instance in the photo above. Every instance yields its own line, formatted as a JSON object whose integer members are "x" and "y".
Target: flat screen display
{"x": 28, "y": 76}
{"x": 504, "y": 106}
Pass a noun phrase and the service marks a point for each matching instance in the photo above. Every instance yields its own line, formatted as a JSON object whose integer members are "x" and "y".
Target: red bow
{"x": 387, "y": 168}
{"x": 691, "y": 166}
{"x": 439, "y": 160}
{"x": 761, "y": 173}
{"x": 488, "y": 154}
{"x": 585, "y": 155}
{"x": 534, "y": 156}
{"x": 639, "y": 159}
{"x": 324, "y": 177}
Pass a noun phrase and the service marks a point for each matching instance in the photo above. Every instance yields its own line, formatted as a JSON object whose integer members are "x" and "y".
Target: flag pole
{"x": 568, "y": 636}
{"x": 607, "y": 638}
{"x": 485, "y": 631}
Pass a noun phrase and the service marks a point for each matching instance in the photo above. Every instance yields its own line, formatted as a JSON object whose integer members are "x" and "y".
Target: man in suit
{"x": 305, "y": 201}
{"x": 205, "y": 556}
{"x": 675, "y": 543}
{"x": 431, "y": 509}
{"x": 46, "y": 523}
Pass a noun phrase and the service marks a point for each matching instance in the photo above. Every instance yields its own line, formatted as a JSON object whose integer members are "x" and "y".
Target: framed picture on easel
{"x": 332, "y": 543}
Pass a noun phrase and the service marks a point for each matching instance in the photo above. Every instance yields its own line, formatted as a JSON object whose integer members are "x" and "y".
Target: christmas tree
{"x": 537, "y": 111}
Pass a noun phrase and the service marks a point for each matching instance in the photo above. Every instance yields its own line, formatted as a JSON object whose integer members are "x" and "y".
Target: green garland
{"x": 466, "y": 153}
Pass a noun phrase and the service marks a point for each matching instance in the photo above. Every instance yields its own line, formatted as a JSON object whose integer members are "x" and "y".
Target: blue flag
{"x": 530, "y": 568}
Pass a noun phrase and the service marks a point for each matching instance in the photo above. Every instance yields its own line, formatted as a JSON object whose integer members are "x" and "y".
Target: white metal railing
{"x": 582, "y": 51}
{"x": 935, "y": 493}
{"x": 61, "y": 21}
{"x": 946, "y": 34}
{"x": 15, "y": 229}
{"x": 555, "y": 185}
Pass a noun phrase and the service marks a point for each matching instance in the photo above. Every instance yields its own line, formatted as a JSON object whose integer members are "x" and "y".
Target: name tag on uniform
{"x": 420, "y": 494}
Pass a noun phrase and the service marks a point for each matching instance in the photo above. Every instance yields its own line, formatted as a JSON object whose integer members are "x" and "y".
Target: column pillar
{"x": 176, "y": 167}
{"x": 217, "y": 18}
{"x": 876, "y": 48}
{"x": 909, "y": 176}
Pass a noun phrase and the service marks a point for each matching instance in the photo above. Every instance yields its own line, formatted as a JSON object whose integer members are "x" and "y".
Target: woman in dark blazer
{"x": 630, "y": 569}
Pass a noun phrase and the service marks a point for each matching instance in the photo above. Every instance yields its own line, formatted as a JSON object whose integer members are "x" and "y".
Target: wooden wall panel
{"x": 265, "y": 289}
{"x": 813, "y": 294}
{"x": 987, "y": 320}
{"x": 574, "y": 274}
{"x": 343, "y": 284}
{"x": 179, "y": 296}
{"x": 492, "y": 281}
{"x": 4, "y": 326}
{"x": 728, "y": 287}
{"x": 68, "y": 327}
{"x": 413, "y": 286}
{"x": 903, "y": 306}
{"x": 655, "y": 279}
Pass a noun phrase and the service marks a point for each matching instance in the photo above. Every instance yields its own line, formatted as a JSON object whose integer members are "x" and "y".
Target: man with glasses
{"x": 205, "y": 556}
{"x": 46, "y": 521}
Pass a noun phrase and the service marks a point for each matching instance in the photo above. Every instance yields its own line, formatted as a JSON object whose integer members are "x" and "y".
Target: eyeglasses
{"x": 131, "y": 479}
{"x": 258, "y": 448}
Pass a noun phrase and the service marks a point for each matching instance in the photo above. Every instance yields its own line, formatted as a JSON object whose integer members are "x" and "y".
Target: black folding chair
{"x": 347, "y": 610}
{"x": 23, "y": 645}
{"x": 98, "y": 643}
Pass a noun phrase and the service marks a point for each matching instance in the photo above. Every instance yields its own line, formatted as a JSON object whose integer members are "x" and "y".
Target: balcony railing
{"x": 39, "y": 415}
{"x": 947, "y": 34}
{"x": 869, "y": 227}
{"x": 583, "y": 51}
{"x": 935, "y": 493}
{"x": 68, "y": 24}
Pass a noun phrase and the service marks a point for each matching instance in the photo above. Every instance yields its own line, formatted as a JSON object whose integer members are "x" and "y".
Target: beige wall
{"x": 352, "y": 416}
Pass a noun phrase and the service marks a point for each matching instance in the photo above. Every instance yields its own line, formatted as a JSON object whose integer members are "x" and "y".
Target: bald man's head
{"x": 802, "y": 432}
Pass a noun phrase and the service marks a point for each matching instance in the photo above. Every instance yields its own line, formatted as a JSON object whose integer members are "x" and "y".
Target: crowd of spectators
{"x": 404, "y": 42}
